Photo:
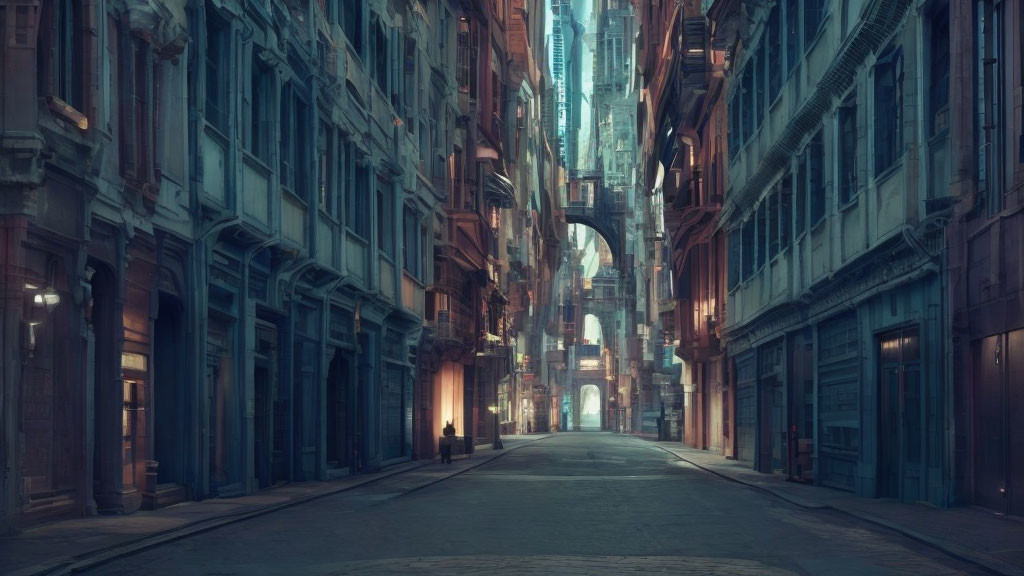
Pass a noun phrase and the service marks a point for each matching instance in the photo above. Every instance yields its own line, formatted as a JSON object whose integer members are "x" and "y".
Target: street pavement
{"x": 574, "y": 503}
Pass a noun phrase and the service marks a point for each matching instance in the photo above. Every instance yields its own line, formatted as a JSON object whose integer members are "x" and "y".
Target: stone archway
{"x": 590, "y": 407}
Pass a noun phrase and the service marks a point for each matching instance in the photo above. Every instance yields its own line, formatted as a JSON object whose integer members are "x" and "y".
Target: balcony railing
{"x": 454, "y": 324}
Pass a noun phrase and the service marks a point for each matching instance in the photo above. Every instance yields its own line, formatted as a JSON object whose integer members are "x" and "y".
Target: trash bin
{"x": 469, "y": 444}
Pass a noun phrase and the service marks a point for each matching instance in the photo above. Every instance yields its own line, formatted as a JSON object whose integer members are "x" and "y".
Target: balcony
{"x": 448, "y": 278}
{"x": 454, "y": 325}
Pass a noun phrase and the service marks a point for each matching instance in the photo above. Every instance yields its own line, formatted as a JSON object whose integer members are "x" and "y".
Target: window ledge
{"x": 412, "y": 277}
{"x": 330, "y": 218}
{"x": 817, "y": 225}
{"x": 353, "y": 235}
{"x": 779, "y": 255}
{"x": 822, "y": 26}
{"x": 888, "y": 173}
{"x": 256, "y": 162}
{"x": 852, "y": 202}
{"x": 288, "y": 190}
{"x": 212, "y": 130}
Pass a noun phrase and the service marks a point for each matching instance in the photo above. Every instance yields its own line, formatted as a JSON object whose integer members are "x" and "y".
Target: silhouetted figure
{"x": 446, "y": 443}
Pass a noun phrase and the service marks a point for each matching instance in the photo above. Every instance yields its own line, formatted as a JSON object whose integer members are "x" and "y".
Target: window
{"x": 113, "y": 105}
{"x": 734, "y": 126}
{"x": 990, "y": 125}
{"x": 134, "y": 76}
{"x": 774, "y": 42}
{"x": 888, "y": 108}
{"x": 938, "y": 71}
{"x": 785, "y": 211}
{"x": 285, "y": 150}
{"x": 762, "y": 235}
{"x": 747, "y": 104}
{"x": 735, "y": 252}
{"x": 814, "y": 10}
{"x": 800, "y": 220}
{"x": 258, "y": 135}
{"x": 379, "y": 54}
{"x": 411, "y": 83}
{"x": 412, "y": 243}
{"x": 385, "y": 218}
{"x": 815, "y": 178}
{"x": 67, "y": 66}
{"x": 462, "y": 57}
{"x": 325, "y": 168}
{"x": 792, "y": 34}
{"x": 294, "y": 151}
{"x": 217, "y": 71}
{"x": 760, "y": 85}
{"x": 357, "y": 193}
{"x": 748, "y": 257}
{"x": 773, "y": 224}
{"x": 496, "y": 96}
{"x": 141, "y": 92}
{"x": 848, "y": 149}
{"x": 352, "y": 23}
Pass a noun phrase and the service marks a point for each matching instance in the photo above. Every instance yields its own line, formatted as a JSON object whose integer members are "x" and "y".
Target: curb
{"x": 993, "y": 565}
{"x": 102, "y": 556}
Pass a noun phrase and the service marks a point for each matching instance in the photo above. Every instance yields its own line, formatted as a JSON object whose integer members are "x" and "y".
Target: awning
{"x": 500, "y": 189}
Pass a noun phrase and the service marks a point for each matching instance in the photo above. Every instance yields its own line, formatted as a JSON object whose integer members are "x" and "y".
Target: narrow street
{"x": 581, "y": 503}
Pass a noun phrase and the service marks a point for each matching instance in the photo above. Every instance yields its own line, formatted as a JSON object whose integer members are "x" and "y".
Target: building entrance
{"x": 900, "y": 413}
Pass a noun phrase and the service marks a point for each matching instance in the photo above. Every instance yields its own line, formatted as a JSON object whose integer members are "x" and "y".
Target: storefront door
{"x": 900, "y": 415}
{"x": 746, "y": 408}
{"x": 998, "y": 389}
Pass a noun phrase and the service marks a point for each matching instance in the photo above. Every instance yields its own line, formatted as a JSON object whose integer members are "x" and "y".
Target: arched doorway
{"x": 590, "y": 407}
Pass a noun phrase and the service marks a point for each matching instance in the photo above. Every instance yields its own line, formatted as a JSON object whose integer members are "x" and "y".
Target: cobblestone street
{"x": 581, "y": 503}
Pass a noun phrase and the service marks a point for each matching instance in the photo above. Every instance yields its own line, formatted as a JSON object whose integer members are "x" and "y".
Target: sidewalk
{"x": 971, "y": 534}
{"x": 72, "y": 545}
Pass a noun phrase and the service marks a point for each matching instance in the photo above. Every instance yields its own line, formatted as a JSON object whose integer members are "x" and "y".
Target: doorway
{"x": 746, "y": 407}
{"x": 772, "y": 431}
{"x": 269, "y": 411}
{"x": 900, "y": 415}
{"x": 169, "y": 401}
{"x": 590, "y": 407}
{"x": 998, "y": 415}
{"x": 338, "y": 377}
{"x": 108, "y": 427}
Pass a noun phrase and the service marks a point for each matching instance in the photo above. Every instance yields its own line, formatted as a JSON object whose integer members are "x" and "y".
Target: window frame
{"x": 414, "y": 226}
{"x": 776, "y": 58}
{"x": 259, "y": 121}
{"x": 385, "y": 202}
{"x": 817, "y": 180}
{"x": 351, "y": 20}
{"x": 216, "y": 58}
{"x": 847, "y": 134}
{"x": 889, "y": 146}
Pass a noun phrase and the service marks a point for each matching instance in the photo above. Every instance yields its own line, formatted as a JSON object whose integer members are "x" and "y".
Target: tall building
{"x": 264, "y": 241}
{"x": 567, "y": 72}
{"x": 808, "y": 220}
{"x": 973, "y": 72}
